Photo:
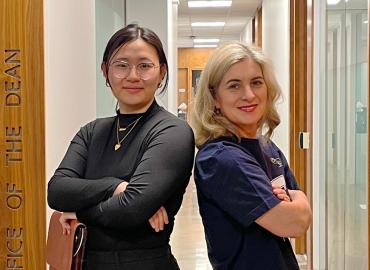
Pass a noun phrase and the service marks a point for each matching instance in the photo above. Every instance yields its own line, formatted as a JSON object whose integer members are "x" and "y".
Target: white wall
{"x": 246, "y": 35}
{"x": 70, "y": 93}
{"x": 275, "y": 43}
{"x": 160, "y": 16}
{"x": 172, "y": 10}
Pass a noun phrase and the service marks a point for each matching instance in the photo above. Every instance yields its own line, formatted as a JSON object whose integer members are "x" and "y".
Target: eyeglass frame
{"x": 133, "y": 66}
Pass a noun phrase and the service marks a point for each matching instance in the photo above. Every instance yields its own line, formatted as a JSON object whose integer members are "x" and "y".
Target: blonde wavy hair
{"x": 206, "y": 123}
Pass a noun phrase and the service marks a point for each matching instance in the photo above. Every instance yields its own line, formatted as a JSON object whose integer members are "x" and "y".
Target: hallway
{"x": 187, "y": 240}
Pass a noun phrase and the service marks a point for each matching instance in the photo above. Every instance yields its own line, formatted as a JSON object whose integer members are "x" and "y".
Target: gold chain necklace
{"x": 124, "y": 128}
{"x": 119, "y": 142}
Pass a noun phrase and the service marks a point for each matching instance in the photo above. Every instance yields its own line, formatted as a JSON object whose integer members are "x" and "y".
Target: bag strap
{"x": 81, "y": 237}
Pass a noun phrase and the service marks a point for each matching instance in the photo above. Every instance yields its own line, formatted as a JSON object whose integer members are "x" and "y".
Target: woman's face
{"x": 134, "y": 75}
{"x": 242, "y": 96}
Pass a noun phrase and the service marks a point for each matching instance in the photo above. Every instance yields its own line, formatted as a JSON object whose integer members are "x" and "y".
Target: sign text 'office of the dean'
{"x": 13, "y": 155}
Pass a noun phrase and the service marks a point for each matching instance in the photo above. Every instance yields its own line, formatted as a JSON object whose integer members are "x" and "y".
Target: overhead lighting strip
{"x": 207, "y": 24}
{"x": 206, "y": 40}
{"x": 202, "y": 4}
{"x": 205, "y": 45}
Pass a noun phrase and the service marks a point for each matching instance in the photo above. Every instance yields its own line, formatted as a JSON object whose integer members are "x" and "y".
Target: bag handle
{"x": 81, "y": 240}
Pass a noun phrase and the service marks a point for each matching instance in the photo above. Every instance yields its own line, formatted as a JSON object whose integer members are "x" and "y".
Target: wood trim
{"x": 22, "y": 136}
{"x": 254, "y": 30}
{"x": 258, "y": 35}
{"x": 298, "y": 98}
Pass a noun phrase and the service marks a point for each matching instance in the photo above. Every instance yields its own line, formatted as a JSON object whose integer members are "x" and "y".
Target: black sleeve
{"x": 164, "y": 169}
{"x": 68, "y": 191}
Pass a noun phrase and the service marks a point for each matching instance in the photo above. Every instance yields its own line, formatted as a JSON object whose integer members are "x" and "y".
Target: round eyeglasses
{"x": 121, "y": 69}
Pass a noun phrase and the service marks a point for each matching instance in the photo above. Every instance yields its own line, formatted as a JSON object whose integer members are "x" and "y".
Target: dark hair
{"x": 129, "y": 33}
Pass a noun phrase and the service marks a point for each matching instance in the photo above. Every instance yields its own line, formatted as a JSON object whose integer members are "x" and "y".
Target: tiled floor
{"x": 187, "y": 240}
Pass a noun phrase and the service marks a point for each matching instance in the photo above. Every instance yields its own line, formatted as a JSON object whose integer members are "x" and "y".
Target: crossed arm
{"x": 240, "y": 187}
{"x": 157, "y": 221}
{"x": 114, "y": 203}
{"x": 288, "y": 218}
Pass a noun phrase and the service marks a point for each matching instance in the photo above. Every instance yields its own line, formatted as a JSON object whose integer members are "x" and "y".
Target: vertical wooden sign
{"x": 22, "y": 139}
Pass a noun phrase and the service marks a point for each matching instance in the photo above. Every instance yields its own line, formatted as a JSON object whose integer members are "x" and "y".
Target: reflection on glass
{"x": 195, "y": 76}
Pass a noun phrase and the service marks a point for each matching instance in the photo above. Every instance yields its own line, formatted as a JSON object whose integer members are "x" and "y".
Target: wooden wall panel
{"x": 257, "y": 28}
{"x": 182, "y": 83}
{"x": 300, "y": 97}
{"x": 190, "y": 59}
{"x": 194, "y": 58}
{"x": 22, "y": 157}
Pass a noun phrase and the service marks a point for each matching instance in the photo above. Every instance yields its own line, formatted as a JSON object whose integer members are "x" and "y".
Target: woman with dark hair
{"x": 125, "y": 176}
{"x": 248, "y": 197}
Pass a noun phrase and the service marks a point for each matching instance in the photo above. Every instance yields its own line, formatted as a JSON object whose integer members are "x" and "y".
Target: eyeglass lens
{"x": 122, "y": 69}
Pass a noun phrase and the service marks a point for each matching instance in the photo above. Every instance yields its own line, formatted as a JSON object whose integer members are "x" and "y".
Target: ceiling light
{"x": 366, "y": 21}
{"x": 205, "y": 45}
{"x": 192, "y": 4}
{"x": 333, "y": 2}
{"x": 208, "y": 24}
{"x": 206, "y": 40}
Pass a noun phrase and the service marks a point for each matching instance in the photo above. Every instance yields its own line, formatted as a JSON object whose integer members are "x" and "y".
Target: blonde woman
{"x": 248, "y": 197}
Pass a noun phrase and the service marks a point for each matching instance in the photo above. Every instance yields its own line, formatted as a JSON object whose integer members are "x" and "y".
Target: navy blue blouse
{"x": 234, "y": 189}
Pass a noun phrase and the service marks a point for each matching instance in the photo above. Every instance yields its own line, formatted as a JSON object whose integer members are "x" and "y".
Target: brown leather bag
{"x": 65, "y": 252}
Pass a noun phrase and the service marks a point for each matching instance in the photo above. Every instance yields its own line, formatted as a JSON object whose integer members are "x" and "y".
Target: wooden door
{"x": 190, "y": 62}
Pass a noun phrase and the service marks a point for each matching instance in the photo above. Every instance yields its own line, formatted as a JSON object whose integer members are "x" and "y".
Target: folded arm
{"x": 68, "y": 191}
{"x": 237, "y": 184}
{"x": 163, "y": 171}
{"x": 288, "y": 219}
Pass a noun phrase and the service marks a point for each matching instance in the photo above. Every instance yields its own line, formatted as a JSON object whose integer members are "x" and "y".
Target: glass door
{"x": 345, "y": 92}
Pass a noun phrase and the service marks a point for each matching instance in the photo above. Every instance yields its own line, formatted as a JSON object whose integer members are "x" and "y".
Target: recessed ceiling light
{"x": 205, "y": 40}
{"x": 208, "y": 24}
{"x": 192, "y": 4}
{"x": 205, "y": 45}
{"x": 332, "y": 2}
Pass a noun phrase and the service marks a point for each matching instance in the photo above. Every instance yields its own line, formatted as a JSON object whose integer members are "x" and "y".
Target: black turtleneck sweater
{"x": 156, "y": 158}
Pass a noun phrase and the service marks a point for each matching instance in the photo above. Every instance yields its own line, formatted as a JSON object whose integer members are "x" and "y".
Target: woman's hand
{"x": 159, "y": 219}
{"x": 281, "y": 194}
{"x": 120, "y": 188}
{"x": 65, "y": 219}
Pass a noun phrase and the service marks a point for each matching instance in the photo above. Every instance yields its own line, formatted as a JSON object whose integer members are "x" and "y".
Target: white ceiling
{"x": 235, "y": 17}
